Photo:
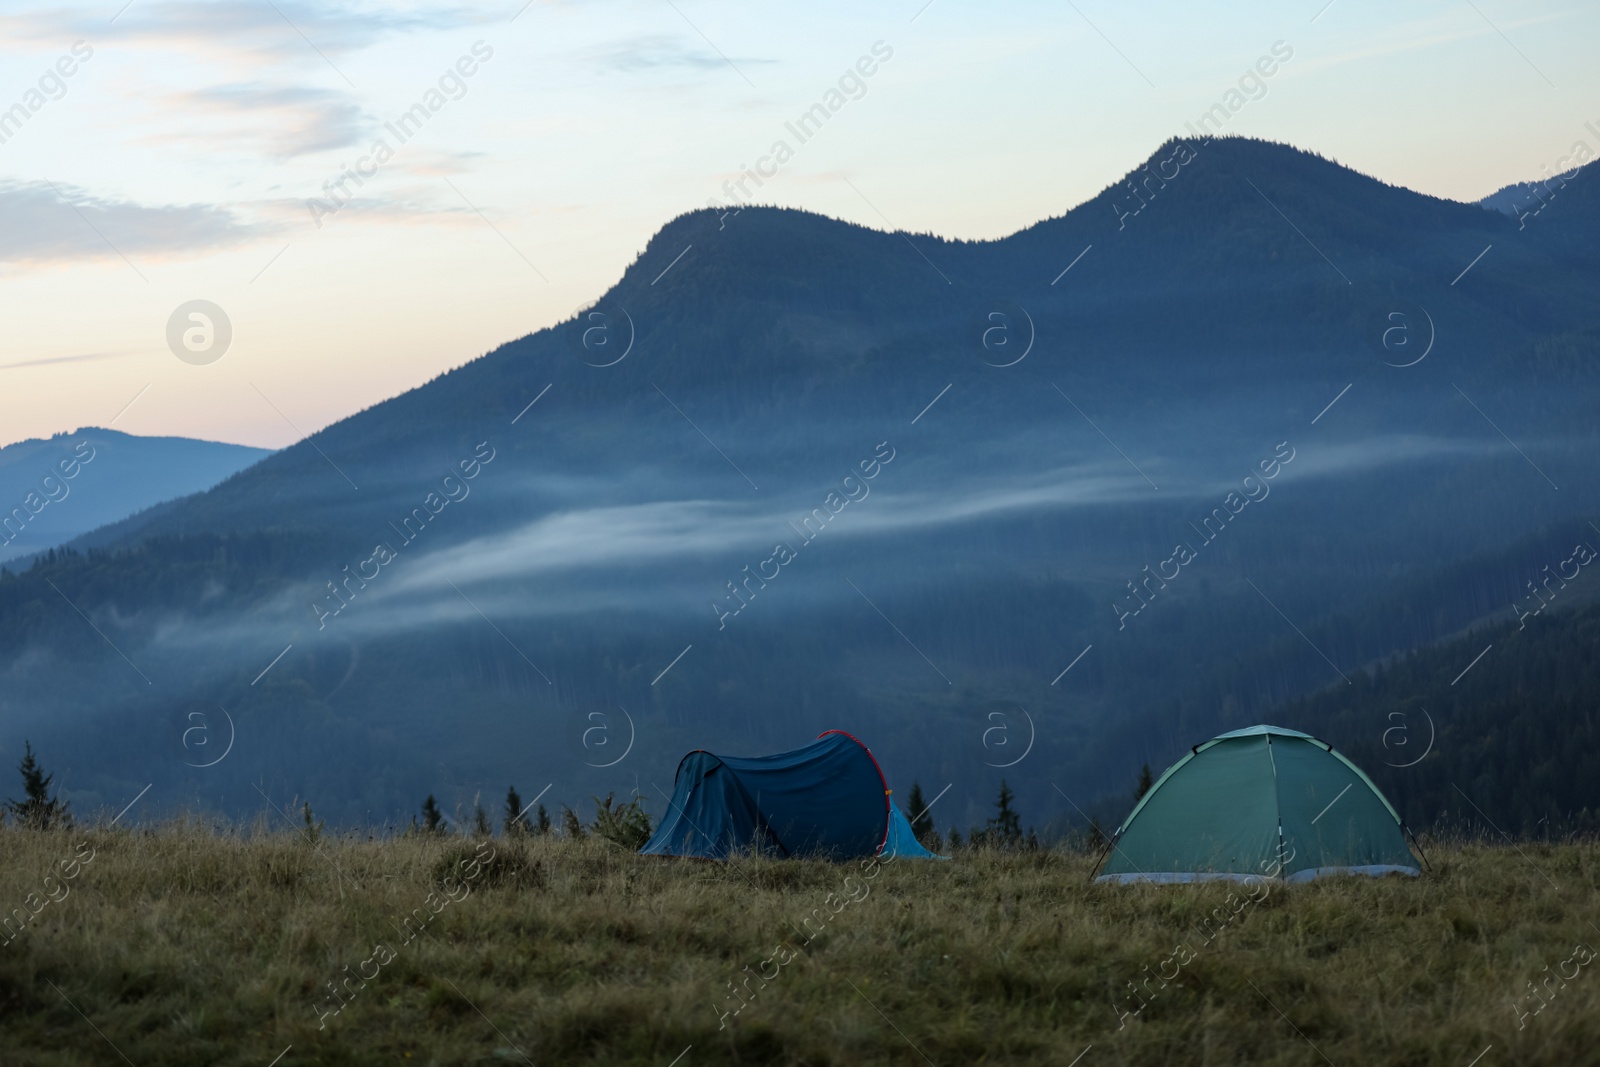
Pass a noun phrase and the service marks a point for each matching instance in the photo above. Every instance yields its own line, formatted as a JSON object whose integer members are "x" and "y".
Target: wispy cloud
{"x": 605, "y": 538}
{"x": 287, "y": 120}
{"x": 1420, "y": 35}
{"x": 664, "y": 555}
{"x": 610, "y": 539}
{"x": 281, "y": 29}
{"x": 663, "y": 52}
{"x": 90, "y": 357}
{"x": 408, "y": 202}
{"x": 438, "y": 164}
{"x": 44, "y": 226}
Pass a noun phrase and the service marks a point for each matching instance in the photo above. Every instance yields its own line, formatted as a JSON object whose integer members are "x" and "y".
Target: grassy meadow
{"x": 186, "y": 945}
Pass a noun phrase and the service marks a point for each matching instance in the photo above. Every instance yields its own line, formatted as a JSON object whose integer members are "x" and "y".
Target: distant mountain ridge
{"x": 1064, "y": 405}
{"x": 54, "y": 490}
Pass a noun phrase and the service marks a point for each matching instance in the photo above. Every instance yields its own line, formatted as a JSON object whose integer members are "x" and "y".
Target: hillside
{"x": 1515, "y": 742}
{"x": 1038, "y": 440}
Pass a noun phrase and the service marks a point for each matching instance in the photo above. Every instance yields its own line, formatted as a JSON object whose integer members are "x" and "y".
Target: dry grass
{"x": 188, "y": 947}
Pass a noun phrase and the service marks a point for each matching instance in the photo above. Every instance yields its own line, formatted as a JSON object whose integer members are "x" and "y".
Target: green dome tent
{"x": 1263, "y": 802}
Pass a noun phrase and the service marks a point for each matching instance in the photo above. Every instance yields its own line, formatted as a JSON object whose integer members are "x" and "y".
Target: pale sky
{"x": 175, "y": 163}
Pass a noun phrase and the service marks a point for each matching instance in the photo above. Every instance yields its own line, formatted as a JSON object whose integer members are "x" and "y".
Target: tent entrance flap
{"x": 902, "y": 842}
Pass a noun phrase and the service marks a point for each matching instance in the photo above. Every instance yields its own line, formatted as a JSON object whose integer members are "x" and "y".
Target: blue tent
{"x": 828, "y": 800}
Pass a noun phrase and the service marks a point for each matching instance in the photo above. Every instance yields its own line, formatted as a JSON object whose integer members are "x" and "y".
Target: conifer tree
{"x": 516, "y": 821}
{"x": 571, "y": 825}
{"x": 921, "y": 820}
{"x": 432, "y": 817}
{"x": 39, "y": 810}
{"x": 1006, "y": 826}
{"x": 481, "y": 827}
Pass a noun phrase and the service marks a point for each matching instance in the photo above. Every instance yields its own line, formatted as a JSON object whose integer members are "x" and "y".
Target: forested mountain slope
{"x": 791, "y": 474}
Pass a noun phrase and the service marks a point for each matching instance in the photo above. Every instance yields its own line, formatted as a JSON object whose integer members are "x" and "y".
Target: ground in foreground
{"x": 184, "y": 946}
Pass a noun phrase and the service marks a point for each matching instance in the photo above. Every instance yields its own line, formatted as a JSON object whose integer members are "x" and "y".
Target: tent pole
{"x": 1111, "y": 843}
{"x": 1417, "y": 843}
